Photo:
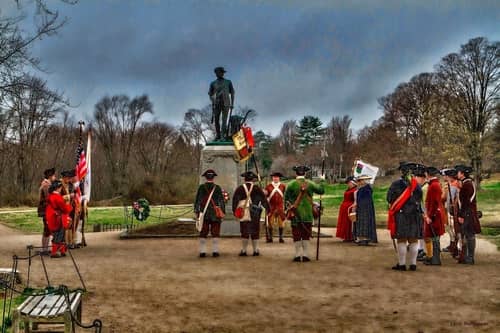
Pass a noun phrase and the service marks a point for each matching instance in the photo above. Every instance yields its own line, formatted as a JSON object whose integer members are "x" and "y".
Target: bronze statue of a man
{"x": 221, "y": 94}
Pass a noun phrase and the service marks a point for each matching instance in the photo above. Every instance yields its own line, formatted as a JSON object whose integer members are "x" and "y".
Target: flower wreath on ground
{"x": 141, "y": 209}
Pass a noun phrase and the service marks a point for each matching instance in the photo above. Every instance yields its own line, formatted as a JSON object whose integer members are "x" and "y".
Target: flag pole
{"x": 323, "y": 155}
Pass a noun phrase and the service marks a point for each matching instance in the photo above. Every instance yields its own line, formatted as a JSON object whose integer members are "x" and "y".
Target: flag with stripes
{"x": 87, "y": 180}
{"x": 81, "y": 164}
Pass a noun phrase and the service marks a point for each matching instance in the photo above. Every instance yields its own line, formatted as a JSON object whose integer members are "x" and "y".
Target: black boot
{"x": 436, "y": 252}
{"x": 399, "y": 267}
{"x": 471, "y": 249}
{"x": 281, "y": 235}
{"x": 269, "y": 235}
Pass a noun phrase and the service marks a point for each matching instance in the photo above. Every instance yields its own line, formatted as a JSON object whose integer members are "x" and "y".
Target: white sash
{"x": 199, "y": 220}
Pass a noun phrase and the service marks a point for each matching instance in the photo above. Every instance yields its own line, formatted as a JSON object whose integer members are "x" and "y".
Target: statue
{"x": 221, "y": 94}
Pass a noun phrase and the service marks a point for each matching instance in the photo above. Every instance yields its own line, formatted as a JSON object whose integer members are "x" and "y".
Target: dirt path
{"x": 161, "y": 285}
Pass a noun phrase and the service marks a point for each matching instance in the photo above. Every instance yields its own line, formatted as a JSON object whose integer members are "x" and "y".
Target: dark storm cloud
{"x": 287, "y": 59}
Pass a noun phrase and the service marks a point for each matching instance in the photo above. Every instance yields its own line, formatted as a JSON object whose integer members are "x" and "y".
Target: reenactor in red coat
{"x": 433, "y": 219}
{"x": 276, "y": 216}
{"x": 57, "y": 215}
{"x": 467, "y": 214}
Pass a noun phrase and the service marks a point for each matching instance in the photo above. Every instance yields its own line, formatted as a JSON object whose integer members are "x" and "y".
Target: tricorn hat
{"x": 219, "y": 69}
{"x": 68, "y": 173}
{"x": 418, "y": 170}
{"x": 54, "y": 185}
{"x": 209, "y": 174}
{"x": 449, "y": 172}
{"x": 463, "y": 168}
{"x": 49, "y": 172}
{"x": 406, "y": 166}
{"x": 364, "y": 177}
{"x": 350, "y": 179}
{"x": 277, "y": 174}
{"x": 249, "y": 175}
{"x": 301, "y": 169}
{"x": 432, "y": 171}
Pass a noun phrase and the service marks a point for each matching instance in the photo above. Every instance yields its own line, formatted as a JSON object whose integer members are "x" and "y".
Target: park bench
{"x": 5, "y": 274}
{"x": 48, "y": 309}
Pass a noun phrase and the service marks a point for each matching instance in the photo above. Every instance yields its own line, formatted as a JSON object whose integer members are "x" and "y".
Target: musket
{"x": 323, "y": 154}
{"x": 260, "y": 184}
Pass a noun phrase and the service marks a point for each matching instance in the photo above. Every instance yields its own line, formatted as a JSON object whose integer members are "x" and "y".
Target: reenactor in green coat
{"x": 299, "y": 204}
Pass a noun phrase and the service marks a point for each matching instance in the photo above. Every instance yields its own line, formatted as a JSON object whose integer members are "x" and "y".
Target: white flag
{"x": 363, "y": 168}
{"x": 88, "y": 178}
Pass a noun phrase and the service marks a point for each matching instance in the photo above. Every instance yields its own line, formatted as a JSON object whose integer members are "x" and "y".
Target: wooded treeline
{"x": 440, "y": 118}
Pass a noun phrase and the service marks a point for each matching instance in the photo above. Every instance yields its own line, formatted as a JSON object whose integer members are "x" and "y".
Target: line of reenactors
{"x": 411, "y": 217}
{"x": 248, "y": 202}
{"x": 452, "y": 207}
{"x": 60, "y": 209}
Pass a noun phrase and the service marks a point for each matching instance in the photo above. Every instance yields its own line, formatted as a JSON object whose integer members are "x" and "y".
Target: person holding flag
{"x": 405, "y": 215}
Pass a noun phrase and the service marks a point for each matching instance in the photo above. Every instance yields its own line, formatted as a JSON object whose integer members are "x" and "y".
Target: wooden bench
{"x": 5, "y": 272}
{"x": 47, "y": 309}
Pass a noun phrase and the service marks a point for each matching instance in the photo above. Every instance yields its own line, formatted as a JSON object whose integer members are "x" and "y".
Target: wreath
{"x": 141, "y": 209}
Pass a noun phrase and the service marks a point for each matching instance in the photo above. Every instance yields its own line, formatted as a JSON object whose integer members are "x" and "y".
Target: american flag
{"x": 81, "y": 163}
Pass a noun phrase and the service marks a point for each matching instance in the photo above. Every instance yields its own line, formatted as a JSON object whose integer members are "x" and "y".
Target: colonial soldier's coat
{"x": 211, "y": 223}
{"x": 434, "y": 209}
{"x": 409, "y": 217}
{"x": 249, "y": 198}
{"x": 303, "y": 213}
{"x": 467, "y": 215}
{"x": 405, "y": 213}
{"x": 275, "y": 192}
{"x": 57, "y": 215}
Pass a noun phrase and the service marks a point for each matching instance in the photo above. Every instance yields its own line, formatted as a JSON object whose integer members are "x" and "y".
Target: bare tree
{"x": 338, "y": 142}
{"x": 288, "y": 137}
{"x": 471, "y": 86}
{"x": 30, "y": 109}
{"x": 116, "y": 120}
{"x": 16, "y": 42}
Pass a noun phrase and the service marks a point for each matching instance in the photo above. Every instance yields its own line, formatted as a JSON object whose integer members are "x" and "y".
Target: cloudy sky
{"x": 287, "y": 59}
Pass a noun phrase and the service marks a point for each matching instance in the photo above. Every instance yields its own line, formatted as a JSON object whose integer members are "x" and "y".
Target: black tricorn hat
{"x": 350, "y": 179}
{"x": 301, "y": 169}
{"x": 432, "y": 171}
{"x": 219, "y": 69}
{"x": 405, "y": 166}
{"x": 54, "y": 185}
{"x": 418, "y": 170}
{"x": 249, "y": 175}
{"x": 450, "y": 172}
{"x": 49, "y": 172}
{"x": 276, "y": 174}
{"x": 463, "y": 168}
{"x": 68, "y": 173}
{"x": 209, "y": 174}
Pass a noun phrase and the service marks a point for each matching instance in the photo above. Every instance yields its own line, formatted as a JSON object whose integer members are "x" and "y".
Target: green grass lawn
{"x": 28, "y": 221}
{"x": 488, "y": 201}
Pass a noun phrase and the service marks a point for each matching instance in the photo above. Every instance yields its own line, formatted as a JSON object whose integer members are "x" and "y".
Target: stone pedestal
{"x": 222, "y": 158}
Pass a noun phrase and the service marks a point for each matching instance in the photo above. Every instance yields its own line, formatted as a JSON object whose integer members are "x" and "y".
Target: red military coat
{"x": 275, "y": 199}
{"x": 57, "y": 212}
{"x": 434, "y": 209}
{"x": 468, "y": 207}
